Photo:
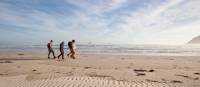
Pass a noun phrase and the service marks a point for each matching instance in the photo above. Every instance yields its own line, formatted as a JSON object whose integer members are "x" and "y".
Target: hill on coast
{"x": 195, "y": 40}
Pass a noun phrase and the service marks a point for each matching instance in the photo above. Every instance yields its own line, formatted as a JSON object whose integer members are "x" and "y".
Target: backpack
{"x": 48, "y": 45}
{"x": 70, "y": 44}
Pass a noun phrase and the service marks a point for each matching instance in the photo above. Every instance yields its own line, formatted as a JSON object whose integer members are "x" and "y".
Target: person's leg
{"x": 49, "y": 53}
{"x": 62, "y": 55}
{"x": 59, "y": 56}
{"x": 70, "y": 52}
{"x": 73, "y": 54}
{"x": 53, "y": 53}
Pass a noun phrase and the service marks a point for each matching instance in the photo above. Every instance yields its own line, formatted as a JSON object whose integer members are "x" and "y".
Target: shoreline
{"x": 108, "y": 54}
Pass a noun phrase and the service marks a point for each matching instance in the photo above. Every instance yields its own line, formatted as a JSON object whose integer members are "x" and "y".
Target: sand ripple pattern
{"x": 74, "y": 81}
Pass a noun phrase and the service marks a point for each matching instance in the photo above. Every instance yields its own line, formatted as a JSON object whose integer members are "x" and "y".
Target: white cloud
{"x": 98, "y": 6}
{"x": 41, "y": 26}
{"x": 170, "y": 22}
{"x": 166, "y": 23}
{"x": 46, "y": 26}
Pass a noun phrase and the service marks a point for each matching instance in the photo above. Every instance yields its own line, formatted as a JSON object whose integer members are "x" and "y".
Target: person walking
{"x": 72, "y": 48}
{"x": 50, "y": 49}
{"x": 61, "y": 50}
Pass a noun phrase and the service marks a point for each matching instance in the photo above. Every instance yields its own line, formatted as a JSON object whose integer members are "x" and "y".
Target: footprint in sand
{"x": 77, "y": 81}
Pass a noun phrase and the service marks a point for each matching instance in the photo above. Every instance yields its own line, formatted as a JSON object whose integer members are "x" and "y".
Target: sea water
{"x": 179, "y": 50}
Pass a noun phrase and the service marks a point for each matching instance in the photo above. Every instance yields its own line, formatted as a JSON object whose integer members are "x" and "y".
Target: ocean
{"x": 179, "y": 50}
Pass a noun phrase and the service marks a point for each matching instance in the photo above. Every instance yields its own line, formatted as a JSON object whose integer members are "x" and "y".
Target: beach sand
{"x": 31, "y": 69}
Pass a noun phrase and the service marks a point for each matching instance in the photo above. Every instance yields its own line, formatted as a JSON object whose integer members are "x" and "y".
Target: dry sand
{"x": 29, "y": 69}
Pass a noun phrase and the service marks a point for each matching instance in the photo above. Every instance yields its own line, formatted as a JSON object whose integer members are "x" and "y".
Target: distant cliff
{"x": 195, "y": 40}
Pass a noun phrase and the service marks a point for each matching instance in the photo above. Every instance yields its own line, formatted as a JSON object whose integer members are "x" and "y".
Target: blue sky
{"x": 99, "y": 21}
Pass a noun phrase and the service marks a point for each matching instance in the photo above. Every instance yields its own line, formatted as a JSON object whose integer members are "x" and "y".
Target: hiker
{"x": 50, "y": 49}
{"x": 72, "y": 48}
{"x": 61, "y": 50}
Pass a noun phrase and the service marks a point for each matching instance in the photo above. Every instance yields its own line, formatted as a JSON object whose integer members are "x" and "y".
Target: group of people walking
{"x": 71, "y": 46}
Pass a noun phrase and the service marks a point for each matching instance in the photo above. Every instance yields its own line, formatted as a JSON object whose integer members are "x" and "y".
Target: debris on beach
{"x": 197, "y": 73}
{"x": 20, "y": 54}
{"x": 34, "y": 70}
{"x": 142, "y": 70}
{"x": 151, "y": 70}
{"x": 87, "y": 67}
{"x": 149, "y": 80}
{"x": 176, "y": 81}
{"x": 6, "y": 61}
{"x": 188, "y": 77}
{"x": 140, "y": 74}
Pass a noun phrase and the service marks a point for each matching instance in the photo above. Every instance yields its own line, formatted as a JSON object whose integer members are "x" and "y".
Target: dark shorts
{"x": 72, "y": 50}
{"x": 62, "y": 50}
{"x": 50, "y": 50}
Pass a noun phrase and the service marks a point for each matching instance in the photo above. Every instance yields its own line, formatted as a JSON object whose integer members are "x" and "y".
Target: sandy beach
{"x": 31, "y": 69}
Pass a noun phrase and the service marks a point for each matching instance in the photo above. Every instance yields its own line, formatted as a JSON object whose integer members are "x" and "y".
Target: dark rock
{"x": 151, "y": 70}
{"x": 140, "y": 74}
{"x": 34, "y": 70}
{"x": 176, "y": 81}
